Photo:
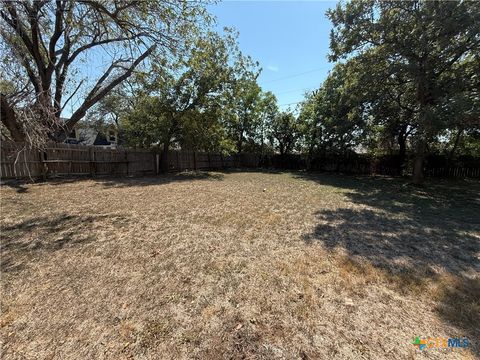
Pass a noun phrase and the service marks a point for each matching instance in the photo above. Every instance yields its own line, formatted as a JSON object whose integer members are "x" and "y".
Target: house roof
{"x": 88, "y": 136}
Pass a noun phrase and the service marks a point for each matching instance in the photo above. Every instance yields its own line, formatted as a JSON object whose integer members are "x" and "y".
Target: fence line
{"x": 16, "y": 161}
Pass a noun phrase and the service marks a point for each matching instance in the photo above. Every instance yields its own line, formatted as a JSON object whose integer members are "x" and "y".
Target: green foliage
{"x": 194, "y": 103}
{"x": 242, "y": 116}
{"x": 207, "y": 101}
{"x": 406, "y": 79}
{"x": 424, "y": 49}
{"x": 147, "y": 125}
{"x": 335, "y": 119}
{"x": 284, "y": 132}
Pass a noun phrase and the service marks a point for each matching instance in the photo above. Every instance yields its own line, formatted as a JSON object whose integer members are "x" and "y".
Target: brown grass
{"x": 210, "y": 266}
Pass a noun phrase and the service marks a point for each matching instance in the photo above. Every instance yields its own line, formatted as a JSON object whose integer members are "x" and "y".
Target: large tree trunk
{"x": 10, "y": 121}
{"x": 240, "y": 144}
{"x": 166, "y": 147}
{"x": 424, "y": 99}
{"x": 402, "y": 152}
{"x": 417, "y": 177}
{"x": 455, "y": 145}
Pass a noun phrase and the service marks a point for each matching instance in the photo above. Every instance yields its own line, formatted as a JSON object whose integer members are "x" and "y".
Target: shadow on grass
{"x": 460, "y": 306}
{"x": 161, "y": 179}
{"x": 19, "y": 186}
{"x": 411, "y": 232}
{"x": 123, "y": 181}
{"x": 28, "y": 239}
{"x": 398, "y": 243}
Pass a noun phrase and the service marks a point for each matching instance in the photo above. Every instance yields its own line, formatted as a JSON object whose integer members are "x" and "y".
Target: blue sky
{"x": 287, "y": 38}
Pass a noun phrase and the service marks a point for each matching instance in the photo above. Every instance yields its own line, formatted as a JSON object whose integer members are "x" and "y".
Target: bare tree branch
{"x": 93, "y": 98}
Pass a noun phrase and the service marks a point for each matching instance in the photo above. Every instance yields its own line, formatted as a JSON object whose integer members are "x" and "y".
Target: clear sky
{"x": 289, "y": 39}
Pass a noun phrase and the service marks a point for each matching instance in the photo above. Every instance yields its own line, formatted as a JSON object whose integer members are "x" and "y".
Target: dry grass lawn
{"x": 211, "y": 266}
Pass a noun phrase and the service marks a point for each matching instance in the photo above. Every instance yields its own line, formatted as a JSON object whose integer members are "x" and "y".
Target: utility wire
{"x": 296, "y": 75}
{"x": 290, "y": 91}
{"x": 293, "y": 103}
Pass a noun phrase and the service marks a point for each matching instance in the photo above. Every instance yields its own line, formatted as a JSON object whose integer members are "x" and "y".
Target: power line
{"x": 290, "y": 91}
{"x": 296, "y": 75}
{"x": 293, "y": 103}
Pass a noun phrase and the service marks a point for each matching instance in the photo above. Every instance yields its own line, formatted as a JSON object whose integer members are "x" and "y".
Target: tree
{"x": 284, "y": 131}
{"x": 45, "y": 42}
{"x": 148, "y": 124}
{"x": 243, "y": 116}
{"x": 388, "y": 97}
{"x": 461, "y": 106}
{"x": 334, "y": 117}
{"x": 425, "y": 40}
{"x": 310, "y": 118}
{"x": 185, "y": 104}
{"x": 110, "y": 109}
{"x": 268, "y": 111}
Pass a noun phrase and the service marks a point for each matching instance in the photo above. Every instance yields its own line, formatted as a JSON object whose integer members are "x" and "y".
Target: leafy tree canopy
{"x": 46, "y": 45}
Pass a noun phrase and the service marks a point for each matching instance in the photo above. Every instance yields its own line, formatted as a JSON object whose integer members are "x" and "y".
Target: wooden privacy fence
{"x": 16, "y": 161}
{"x": 67, "y": 159}
{"x": 360, "y": 164}
{"x": 193, "y": 160}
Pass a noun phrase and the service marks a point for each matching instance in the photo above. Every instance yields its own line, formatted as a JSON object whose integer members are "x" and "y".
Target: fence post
{"x": 92, "y": 161}
{"x": 195, "y": 160}
{"x": 209, "y": 163}
{"x": 112, "y": 163}
{"x": 126, "y": 159}
{"x": 43, "y": 158}
{"x": 157, "y": 163}
{"x": 70, "y": 167}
